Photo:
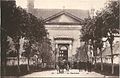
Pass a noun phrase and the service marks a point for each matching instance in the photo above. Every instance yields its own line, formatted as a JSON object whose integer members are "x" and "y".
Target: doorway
{"x": 63, "y": 52}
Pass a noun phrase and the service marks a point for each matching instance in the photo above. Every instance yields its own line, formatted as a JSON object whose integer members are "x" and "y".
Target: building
{"x": 63, "y": 26}
{"x": 106, "y": 52}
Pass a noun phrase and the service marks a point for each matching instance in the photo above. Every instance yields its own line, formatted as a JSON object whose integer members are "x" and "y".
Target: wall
{"x": 70, "y": 31}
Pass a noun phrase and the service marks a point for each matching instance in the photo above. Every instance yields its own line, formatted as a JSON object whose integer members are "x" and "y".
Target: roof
{"x": 8, "y": 0}
{"x": 45, "y": 13}
{"x": 116, "y": 50}
{"x": 63, "y": 13}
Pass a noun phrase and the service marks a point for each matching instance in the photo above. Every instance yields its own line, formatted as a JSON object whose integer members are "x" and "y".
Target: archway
{"x": 63, "y": 51}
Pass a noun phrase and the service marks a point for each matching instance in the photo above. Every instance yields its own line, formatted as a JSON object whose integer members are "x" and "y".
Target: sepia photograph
{"x": 60, "y": 38}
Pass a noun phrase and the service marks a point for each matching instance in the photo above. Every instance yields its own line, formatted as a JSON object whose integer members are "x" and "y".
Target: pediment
{"x": 63, "y": 17}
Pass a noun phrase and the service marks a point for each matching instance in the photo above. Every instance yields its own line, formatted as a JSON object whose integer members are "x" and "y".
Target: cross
{"x": 63, "y": 7}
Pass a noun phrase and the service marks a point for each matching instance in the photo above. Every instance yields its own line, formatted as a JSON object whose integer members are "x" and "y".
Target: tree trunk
{"x": 28, "y": 56}
{"x": 55, "y": 61}
{"x": 28, "y": 64}
{"x": 42, "y": 62}
{"x": 3, "y": 55}
{"x": 112, "y": 58}
{"x": 18, "y": 47}
{"x": 86, "y": 50}
{"x": 95, "y": 61}
{"x": 55, "y": 56}
{"x": 111, "y": 39}
{"x": 37, "y": 63}
{"x": 18, "y": 62}
{"x": 4, "y": 60}
{"x": 4, "y": 67}
{"x": 95, "y": 51}
{"x": 101, "y": 60}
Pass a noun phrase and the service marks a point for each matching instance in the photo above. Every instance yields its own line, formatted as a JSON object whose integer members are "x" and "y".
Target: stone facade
{"x": 64, "y": 31}
{"x": 64, "y": 35}
{"x": 63, "y": 27}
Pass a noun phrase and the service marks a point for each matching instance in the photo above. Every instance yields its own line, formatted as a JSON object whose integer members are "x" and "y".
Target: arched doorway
{"x": 63, "y": 51}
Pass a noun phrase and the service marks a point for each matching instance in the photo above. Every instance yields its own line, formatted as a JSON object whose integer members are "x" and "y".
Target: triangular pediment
{"x": 63, "y": 17}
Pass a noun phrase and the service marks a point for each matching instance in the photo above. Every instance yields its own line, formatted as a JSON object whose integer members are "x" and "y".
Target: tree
{"x": 17, "y": 23}
{"x": 105, "y": 24}
{"x": 89, "y": 34}
{"x": 8, "y": 27}
{"x": 4, "y": 48}
{"x": 46, "y": 54}
{"x": 81, "y": 54}
{"x": 110, "y": 16}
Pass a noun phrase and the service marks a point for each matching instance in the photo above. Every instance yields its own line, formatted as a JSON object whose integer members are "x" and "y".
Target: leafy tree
{"x": 46, "y": 54}
{"x": 110, "y": 16}
{"x": 89, "y": 34}
{"x": 81, "y": 54}
{"x": 17, "y": 23}
{"x": 105, "y": 24}
{"x": 4, "y": 48}
{"x": 8, "y": 27}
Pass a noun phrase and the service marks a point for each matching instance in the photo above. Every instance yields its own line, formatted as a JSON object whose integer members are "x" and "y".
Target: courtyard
{"x": 71, "y": 73}
{"x": 37, "y": 41}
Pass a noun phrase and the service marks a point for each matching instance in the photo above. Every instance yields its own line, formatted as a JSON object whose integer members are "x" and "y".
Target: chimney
{"x": 30, "y": 6}
{"x": 92, "y": 12}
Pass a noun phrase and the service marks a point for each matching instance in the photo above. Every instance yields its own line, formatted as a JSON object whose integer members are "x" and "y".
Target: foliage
{"x": 46, "y": 51}
{"x": 11, "y": 52}
{"x": 106, "y": 21}
{"x": 82, "y": 54}
{"x": 110, "y": 16}
{"x": 18, "y": 23}
{"x": 105, "y": 24}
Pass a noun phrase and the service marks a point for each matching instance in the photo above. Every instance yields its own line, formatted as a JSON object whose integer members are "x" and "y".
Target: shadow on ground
{"x": 107, "y": 69}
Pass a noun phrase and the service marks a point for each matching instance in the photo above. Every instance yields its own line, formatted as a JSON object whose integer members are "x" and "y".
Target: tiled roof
{"x": 45, "y": 13}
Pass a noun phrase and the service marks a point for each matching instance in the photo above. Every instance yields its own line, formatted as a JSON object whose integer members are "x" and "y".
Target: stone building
{"x": 63, "y": 26}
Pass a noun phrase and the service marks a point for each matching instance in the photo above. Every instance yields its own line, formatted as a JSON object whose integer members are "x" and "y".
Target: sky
{"x": 64, "y": 4}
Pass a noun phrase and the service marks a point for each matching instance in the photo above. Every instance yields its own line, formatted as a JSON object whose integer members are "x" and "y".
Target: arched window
{"x": 63, "y": 48}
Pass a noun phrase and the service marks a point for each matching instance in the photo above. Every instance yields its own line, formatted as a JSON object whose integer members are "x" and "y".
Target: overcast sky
{"x": 67, "y": 4}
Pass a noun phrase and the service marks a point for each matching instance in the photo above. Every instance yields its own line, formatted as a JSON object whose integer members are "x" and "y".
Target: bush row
{"x": 107, "y": 69}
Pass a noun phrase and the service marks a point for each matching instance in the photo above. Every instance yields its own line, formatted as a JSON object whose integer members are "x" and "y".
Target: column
{"x": 57, "y": 51}
{"x": 70, "y": 52}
